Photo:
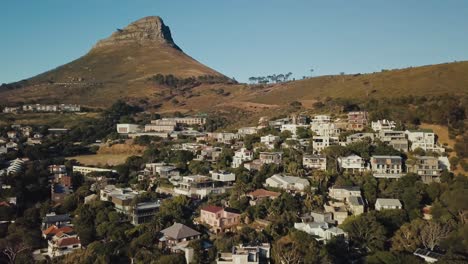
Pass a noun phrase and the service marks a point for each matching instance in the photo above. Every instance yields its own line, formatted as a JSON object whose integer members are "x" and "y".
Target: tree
{"x": 12, "y": 246}
{"x": 407, "y": 237}
{"x": 432, "y": 233}
{"x": 365, "y": 231}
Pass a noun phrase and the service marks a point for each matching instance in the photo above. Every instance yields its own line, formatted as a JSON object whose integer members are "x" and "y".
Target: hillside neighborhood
{"x": 244, "y": 195}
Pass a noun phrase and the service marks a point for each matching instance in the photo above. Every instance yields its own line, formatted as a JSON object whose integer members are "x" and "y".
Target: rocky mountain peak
{"x": 148, "y": 30}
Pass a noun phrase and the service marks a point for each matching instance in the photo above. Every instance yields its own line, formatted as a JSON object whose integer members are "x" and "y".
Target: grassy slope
{"x": 438, "y": 79}
{"x": 108, "y": 74}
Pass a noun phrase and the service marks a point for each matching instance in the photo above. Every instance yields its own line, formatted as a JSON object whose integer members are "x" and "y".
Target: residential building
{"x": 321, "y": 119}
{"x": 246, "y": 254}
{"x": 271, "y": 157}
{"x": 339, "y": 212}
{"x": 325, "y": 129}
{"x": 260, "y": 195}
{"x": 178, "y": 234}
{"x": 190, "y": 121}
{"x": 223, "y": 176}
{"x": 316, "y": 162}
{"x": 342, "y": 193}
{"x": 144, "y": 212}
{"x": 57, "y": 220}
{"x": 59, "y": 192}
{"x": 319, "y": 143}
{"x": 352, "y": 163}
{"x": 384, "y": 124}
{"x": 292, "y": 128}
{"x": 161, "y": 126}
{"x": 224, "y": 137}
{"x": 269, "y": 141}
{"x": 127, "y": 128}
{"x": 427, "y": 167}
{"x": 120, "y": 197}
{"x": 383, "y": 203}
{"x": 360, "y": 137}
{"x": 219, "y": 219}
{"x": 355, "y": 204}
{"x": 322, "y": 231}
{"x": 357, "y": 120}
{"x": 199, "y": 186}
{"x": 247, "y": 131}
{"x": 424, "y": 139}
{"x": 396, "y": 139}
{"x": 290, "y": 183}
{"x": 86, "y": 170}
{"x": 390, "y": 167}
{"x": 62, "y": 244}
{"x": 241, "y": 156}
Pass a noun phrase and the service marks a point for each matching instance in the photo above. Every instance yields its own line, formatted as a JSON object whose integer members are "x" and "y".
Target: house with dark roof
{"x": 57, "y": 220}
{"x": 178, "y": 233}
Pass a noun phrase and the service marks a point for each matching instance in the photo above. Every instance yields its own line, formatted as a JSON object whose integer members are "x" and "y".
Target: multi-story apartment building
{"x": 321, "y": 142}
{"x": 384, "y": 124}
{"x": 271, "y": 157}
{"x": 199, "y": 186}
{"x": 352, "y": 163}
{"x": 269, "y": 141}
{"x": 316, "y": 162}
{"x": 241, "y": 156}
{"x": 424, "y": 139}
{"x": 128, "y": 128}
{"x": 425, "y": 166}
{"x": 357, "y": 120}
{"x": 387, "y": 167}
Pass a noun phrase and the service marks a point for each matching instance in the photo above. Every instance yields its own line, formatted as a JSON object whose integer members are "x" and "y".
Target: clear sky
{"x": 244, "y": 38}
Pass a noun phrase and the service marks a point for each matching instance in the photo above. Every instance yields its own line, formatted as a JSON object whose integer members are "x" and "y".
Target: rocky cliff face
{"x": 146, "y": 31}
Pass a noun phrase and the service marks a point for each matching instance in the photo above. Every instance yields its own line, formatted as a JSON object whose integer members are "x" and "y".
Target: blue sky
{"x": 244, "y": 38}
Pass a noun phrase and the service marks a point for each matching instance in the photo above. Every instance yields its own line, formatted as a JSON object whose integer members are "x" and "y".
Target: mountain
{"x": 124, "y": 66}
{"x": 116, "y": 67}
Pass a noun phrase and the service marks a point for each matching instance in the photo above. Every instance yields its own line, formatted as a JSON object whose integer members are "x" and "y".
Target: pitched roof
{"x": 212, "y": 208}
{"x": 388, "y": 202}
{"x": 68, "y": 241}
{"x": 259, "y": 193}
{"x": 179, "y": 231}
{"x": 53, "y": 229}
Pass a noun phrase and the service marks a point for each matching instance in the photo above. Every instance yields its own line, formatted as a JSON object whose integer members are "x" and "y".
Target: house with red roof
{"x": 218, "y": 218}
{"x": 64, "y": 242}
{"x": 260, "y": 195}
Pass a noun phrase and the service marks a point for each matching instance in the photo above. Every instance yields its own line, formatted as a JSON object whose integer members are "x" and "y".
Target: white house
{"x": 247, "y": 131}
{"x": 292, "y": 128}
{"x": 269, "y": 141}
{"x": 325, "y": 129}
{"x": 322, "y": 231}
{"x": 317, "y": 162}
{"x": 287, "y": 182}
{"x": 321, "y": 142}
{"x": 320, "y": 119}
{"x": 223, "y": 176}
{"x": 424, "y": 139}
{"x": 383, "y": 125}
{"x": 241, "y": 156}
{"x": 127, "y": 128}
{"x": 352, "y": 163}
{"x": 383, "y": 203}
